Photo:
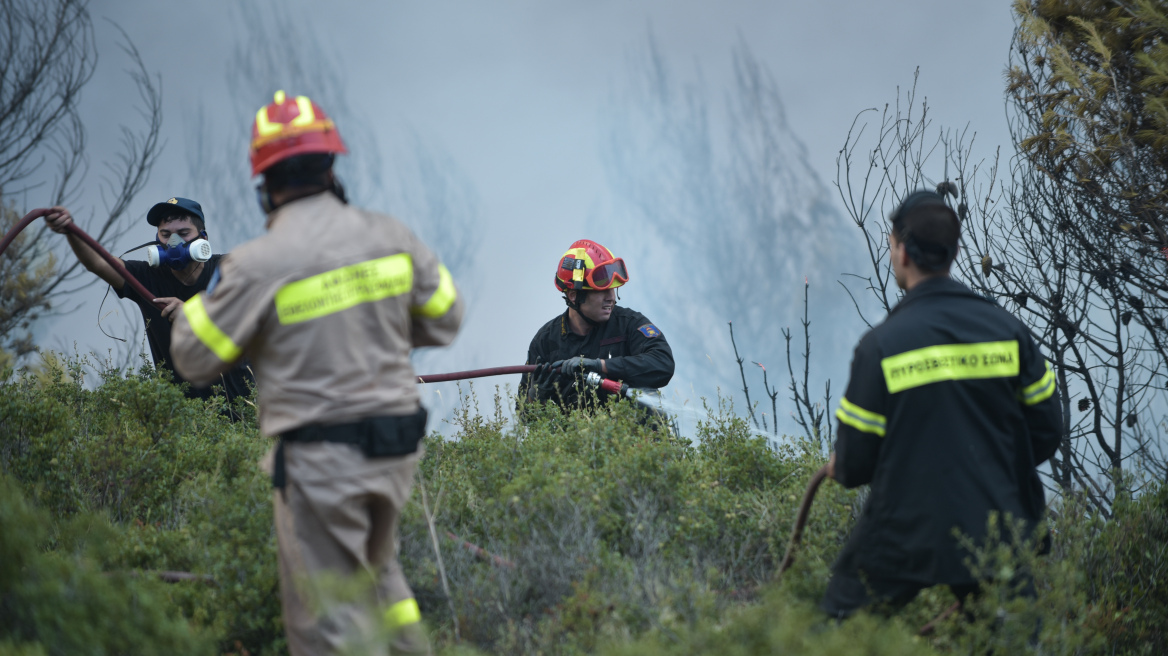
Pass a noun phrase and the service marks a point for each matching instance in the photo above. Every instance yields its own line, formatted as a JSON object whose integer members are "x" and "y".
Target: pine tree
{"x": 1089, "y": 79}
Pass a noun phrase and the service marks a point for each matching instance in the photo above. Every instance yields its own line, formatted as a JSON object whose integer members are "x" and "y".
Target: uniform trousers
{"x": 341, "y": 584}
{"x": 848, "y": 592}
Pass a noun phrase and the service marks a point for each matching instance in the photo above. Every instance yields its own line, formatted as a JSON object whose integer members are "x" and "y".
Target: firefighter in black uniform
{"x": 949, "y": 411}
{"x": 594, "y": 334}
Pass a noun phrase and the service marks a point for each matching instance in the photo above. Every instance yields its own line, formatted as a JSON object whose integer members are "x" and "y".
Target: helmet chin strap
{"x": 575, "y": 305}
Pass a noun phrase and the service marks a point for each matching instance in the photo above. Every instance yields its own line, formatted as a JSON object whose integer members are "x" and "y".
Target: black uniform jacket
{"x": 949, "y": 410}
{"x": 635, "y": 350}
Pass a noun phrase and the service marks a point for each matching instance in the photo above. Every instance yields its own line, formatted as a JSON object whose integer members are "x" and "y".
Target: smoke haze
{"x": 501, "y": 132}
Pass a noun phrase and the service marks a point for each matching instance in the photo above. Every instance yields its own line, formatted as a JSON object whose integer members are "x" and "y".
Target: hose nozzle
{"x": 611, "y": 386}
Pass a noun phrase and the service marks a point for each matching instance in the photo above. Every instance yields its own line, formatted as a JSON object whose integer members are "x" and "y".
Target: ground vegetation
{"x": 579, "y": 534}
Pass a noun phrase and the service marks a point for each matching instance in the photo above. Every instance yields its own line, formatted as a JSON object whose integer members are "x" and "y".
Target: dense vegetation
{"x": 608, "y": 537}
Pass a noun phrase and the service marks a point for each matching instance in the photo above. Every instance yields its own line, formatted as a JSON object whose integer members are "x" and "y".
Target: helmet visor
{"x": 608, "y": 274}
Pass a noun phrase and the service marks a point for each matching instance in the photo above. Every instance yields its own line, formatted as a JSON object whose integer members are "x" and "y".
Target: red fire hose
{"x": 611, "y": 386}
{"x": 476, "y": 373}
{"x": 594, "y": 379}
{"x": 797, "y": 537}
{"x": 801, "y": 518}
{"x": 72, "y": 227}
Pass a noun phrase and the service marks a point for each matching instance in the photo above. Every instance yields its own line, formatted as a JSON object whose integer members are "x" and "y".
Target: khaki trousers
{"x": 336, "y": 526}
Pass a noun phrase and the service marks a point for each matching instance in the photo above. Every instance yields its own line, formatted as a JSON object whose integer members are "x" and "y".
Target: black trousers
{"x": 848, "y": 592}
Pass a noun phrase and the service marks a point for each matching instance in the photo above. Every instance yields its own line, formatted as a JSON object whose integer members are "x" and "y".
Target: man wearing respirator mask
{"x": 179, "y": 264}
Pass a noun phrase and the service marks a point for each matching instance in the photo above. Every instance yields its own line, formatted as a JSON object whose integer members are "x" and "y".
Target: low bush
{"x": 613, "y": 528}
{"x": 568, "y": 534}
{"x": 58, "y": 599}
{"x": 173, "y": 482}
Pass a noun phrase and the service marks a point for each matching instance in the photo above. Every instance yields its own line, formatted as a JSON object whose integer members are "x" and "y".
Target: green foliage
{"x": 608, "y": 537}
{"x": 59, "y": 601}
{"x": 781, "y": 625}
{"x": 1089, "y": 82}
{"x": 1104, "y": 64}
{"x": 1127, "y": 567}
{"x": 613, "y": 528}
{"x": 174, "y": 482}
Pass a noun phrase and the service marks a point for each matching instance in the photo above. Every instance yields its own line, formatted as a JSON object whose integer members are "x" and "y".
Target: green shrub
{"x": 176, "y": 479}
{"x": 614, "y": 528}
{"x": 610, "y": 537}
{"x": 1127, "y": 574}
{"x": 59, "y": 601}
{"x": 780, "y": 625}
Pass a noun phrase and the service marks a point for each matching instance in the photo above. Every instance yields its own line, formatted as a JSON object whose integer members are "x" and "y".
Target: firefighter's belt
{"x": 377, "y": 437}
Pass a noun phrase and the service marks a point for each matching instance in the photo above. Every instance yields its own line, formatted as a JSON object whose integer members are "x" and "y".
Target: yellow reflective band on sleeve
{"x": 1040, "y": 391}
{"x": 402, "y": 613}
{"x": 207, "y": 332}
{"x": 861, "y": 419}
{"x": 442, "y": 299}
{"x": 340, "y": 289}
{"x": 934, "y": 364}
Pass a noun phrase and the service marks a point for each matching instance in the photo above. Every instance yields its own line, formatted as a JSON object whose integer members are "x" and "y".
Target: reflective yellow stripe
{"x": 442, "y": 299}
{"x": 1040, "y": 391}
{"x": 306, "y": 121}
{"x": 402, "y": 613}
{"x": 306, "y": 116}
{"x": 264, "y": 127}
{"x": 207, "y": 332}
{"x": 340, "y": 289}
{"x": 861, "y": 419}
{"x": 934, "y": 364}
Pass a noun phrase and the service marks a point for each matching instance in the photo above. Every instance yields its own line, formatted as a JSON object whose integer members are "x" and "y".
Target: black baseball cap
{"x": 173, "y": 207}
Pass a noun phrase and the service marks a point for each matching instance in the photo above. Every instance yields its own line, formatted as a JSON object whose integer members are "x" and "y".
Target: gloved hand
{"x": 543, "y": 380}
{"x": 572, "y": 366}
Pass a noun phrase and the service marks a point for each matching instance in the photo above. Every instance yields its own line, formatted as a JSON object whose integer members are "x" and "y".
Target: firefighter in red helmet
{"x": 594, "y": 334}
{"x": 327, "y": 306}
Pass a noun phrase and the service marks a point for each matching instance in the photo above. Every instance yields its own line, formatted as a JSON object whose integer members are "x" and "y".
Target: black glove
{"x": 544, "y": 378}
{"x": 572, "y": 366}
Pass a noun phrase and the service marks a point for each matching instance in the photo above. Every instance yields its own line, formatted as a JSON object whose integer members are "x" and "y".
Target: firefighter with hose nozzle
{"x": 594, "y": 334}
{"x": 327, "y": 306}
{"x": 949, "y": 411}
{"x": 179, "y": 264}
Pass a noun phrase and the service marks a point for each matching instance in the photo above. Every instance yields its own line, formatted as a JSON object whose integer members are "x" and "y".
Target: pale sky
{"x": 516, "y": 92}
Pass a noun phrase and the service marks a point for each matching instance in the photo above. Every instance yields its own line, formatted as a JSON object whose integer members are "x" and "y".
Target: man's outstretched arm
{"x": 58, "y": 221}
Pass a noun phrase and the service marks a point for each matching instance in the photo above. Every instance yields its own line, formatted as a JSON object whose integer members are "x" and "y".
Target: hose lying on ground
{"x": 801, "y": 518}
{"x": 797, "y": 538}
{"x": 89, "y": 241}
{"x": 481, "y": 553}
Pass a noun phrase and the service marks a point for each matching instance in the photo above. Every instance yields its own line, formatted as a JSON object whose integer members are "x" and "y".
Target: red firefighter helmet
{"x": 290, "y": 127}
{"x": 589, "y": 266}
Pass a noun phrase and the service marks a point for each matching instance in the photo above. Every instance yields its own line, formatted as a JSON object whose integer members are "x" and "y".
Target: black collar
{"x": 566, "y": 327}
{"x": 936, "y": 286}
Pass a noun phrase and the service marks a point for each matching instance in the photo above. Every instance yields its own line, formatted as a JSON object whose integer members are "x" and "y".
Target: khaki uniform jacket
{"x": 326, "y": 306}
